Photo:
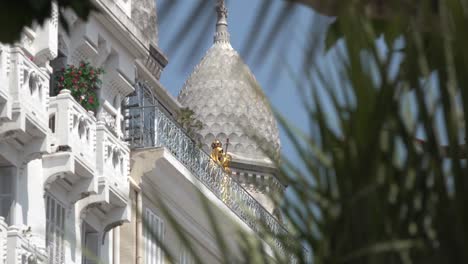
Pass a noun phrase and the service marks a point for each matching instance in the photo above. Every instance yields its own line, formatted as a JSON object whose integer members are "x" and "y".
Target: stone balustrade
{"x": 85, "y": 148}
{"x": 23, "y": 247}
{"x": 28, "y": 94}
{"x": 113, "y": 157}
{"x": 74, "y": 128}
{"x": 5, "y": 103}
{"x": 40, "y": 41}
{"x": 19, "y": 246}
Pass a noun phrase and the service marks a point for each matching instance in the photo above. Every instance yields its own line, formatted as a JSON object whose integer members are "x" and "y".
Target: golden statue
{"x": 217, "y": 151}
{"x": 224, "y": 160}
{"x": 218, "y": 155}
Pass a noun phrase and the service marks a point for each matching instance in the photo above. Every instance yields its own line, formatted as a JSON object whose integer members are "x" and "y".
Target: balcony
{"x": 17, "y": 246}
{"x": 41, "y": 42}
{"x": 28, "y": 88}
{"x": 151, "y": 127}
{"x": 73, "y": 145}
{"x": 5, "y": 103}
{"x": 112, "y": 164}
{"x": 113, "y": 157}
{"x": 87, "y": 159}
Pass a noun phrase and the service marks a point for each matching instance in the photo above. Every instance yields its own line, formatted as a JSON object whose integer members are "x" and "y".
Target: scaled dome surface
{"x": 227, "y": 99}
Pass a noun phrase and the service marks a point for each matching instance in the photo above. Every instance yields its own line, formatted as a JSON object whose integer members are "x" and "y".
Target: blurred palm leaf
{"x": 15, "y": 15}
{"x": 362, "y": 189}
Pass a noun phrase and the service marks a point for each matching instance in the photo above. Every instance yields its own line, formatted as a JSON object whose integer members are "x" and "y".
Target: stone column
{"x": 116, "y": 249}
{"x": 34, "y": 202}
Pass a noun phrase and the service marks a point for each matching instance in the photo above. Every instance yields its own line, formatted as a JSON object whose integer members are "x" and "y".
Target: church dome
{"x": 227, "y": 99}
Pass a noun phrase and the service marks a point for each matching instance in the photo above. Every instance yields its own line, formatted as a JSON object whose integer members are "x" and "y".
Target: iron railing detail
{"x": 150, "y": 126}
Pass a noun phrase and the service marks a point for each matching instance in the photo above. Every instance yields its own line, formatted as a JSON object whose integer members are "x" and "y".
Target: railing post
{"x": 157, "y": 120}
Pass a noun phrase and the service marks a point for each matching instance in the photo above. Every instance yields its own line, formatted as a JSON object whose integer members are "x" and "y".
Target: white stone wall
{"x": 125, "y": 6}
{"x": 63, "y": 163}
{"x": 83, "y": 162}
{"x": 30, "y": 210}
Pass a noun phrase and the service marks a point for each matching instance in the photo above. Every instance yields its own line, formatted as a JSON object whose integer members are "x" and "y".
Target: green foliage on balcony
{"x": 83, "y": 81}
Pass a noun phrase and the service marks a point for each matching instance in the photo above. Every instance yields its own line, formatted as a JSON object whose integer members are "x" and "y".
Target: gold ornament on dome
{"x": 220, "y": 156}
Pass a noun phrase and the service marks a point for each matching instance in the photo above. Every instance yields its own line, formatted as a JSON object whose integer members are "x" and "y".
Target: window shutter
{"x": 154, "y": 230}
{"x": 6, "y": 196}
{"x": 55, "y": 228}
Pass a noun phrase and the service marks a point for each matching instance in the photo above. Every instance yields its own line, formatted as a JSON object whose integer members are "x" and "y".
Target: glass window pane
{"x": 55, "y": 226}
{"x": 153, "y": 230}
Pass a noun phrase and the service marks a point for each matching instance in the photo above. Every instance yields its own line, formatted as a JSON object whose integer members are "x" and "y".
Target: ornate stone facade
{"x": 228, "y": 100}
{"x": 75, "y": 187}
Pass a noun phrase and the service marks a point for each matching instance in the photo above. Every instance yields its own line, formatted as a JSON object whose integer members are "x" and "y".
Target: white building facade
{"x": 85, "y": 187}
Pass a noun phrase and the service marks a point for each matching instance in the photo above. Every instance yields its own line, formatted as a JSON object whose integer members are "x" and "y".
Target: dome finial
{"x": 222, "y": 34}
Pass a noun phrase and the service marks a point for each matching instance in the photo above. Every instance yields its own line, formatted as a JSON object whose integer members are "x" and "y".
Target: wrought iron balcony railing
{"x": 150, "y": 126}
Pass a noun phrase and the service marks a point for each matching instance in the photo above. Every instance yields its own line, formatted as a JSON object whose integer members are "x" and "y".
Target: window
{"x": 154, "y": 230}
{"x": 6, "y": 195}
{"x": 185, "y": 257}
{"x": 55, "y": 230}
{"x": 90, "y": 245}
{"x": 141, "y": 123}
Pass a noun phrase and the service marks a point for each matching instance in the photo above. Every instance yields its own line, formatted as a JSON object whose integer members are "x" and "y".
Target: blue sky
{"x": 282, "y": 90}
